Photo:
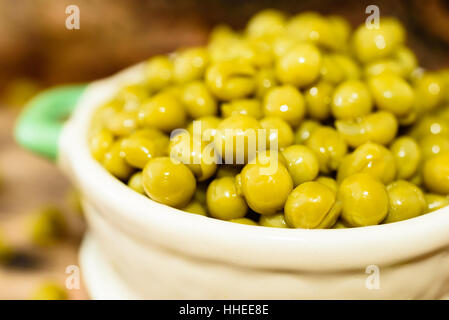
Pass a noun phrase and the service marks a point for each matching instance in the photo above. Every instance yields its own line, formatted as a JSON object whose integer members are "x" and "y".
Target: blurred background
{"x": 37, "y": 51}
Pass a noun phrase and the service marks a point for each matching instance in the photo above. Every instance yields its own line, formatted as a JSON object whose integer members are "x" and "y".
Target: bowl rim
{"x": 215, "y": 240}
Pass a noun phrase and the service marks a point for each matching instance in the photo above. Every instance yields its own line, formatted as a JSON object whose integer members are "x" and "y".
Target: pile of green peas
{"x": 362, "y": 131}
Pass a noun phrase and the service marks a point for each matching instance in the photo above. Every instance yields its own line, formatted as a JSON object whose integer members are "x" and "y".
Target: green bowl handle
{"x": 40, "y": 124}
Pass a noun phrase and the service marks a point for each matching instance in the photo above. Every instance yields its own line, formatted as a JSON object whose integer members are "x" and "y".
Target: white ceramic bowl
{"x": 138, "y": 248}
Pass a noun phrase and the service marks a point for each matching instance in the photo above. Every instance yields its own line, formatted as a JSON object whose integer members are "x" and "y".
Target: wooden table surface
{"x": 28, "y": 183}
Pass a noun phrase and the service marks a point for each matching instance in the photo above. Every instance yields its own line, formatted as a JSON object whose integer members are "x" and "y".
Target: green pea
{"x": 364, "y": 200}
{"x": 190, "y": 64}
{"x": 158, "y": 72}
{"x": 318, "y": 100}
{"x": 304, "y": 131}
{"x": 135, "y": 182}
{"x": 379, "y": 127}
{"x": 248, "y": 107}
{"x": 407, "y": 156}
{"x": 300, "y": 65}
{"x": 232, "y": 79}
{"x": 329, "y": 147}
{"x": 435, "y": 201}
{"x": 167, "y": 182}
{"x": 47, "y": 226}
{"x": 285, "y": 102}
{"x": 392, "y": 93}
{"x": 278, "y": 132}
{"x": 370, "y": 158}
{"x": 406, "y": 201}
{"x": 163, "y": 111}
{"x": 312, "y": 205}
{"x": 273, "y": 221}
{"x": 302, "y": 163}
{"x": 223, "y": 202}
{"x": 198, "y": 100}
{"x": 351, "y": 99}
{"x": 50, "y": 291}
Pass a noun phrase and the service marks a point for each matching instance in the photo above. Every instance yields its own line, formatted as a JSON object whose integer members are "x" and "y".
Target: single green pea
{"x": 435, "y": 201}
{"x": 406, "y": 201}
{"x": 406, "y": 58}
{"x": 248, "y": 107}
{"x": 198, "y": 100}
{"x": 341, "y": 29}
{"x": 318, "y": 100}
{"x": 314, "y": 28}
{"x": 246, "y": 221}
{"x": 204, "y": 127}
{"x": 370, "y": 158}
{"x": 379, "y": 127}
{"x": 135, "y": 182}
{"x": 435, "y": 173}
{"x": 300, "y": 65}
{"x": 407, "y": 156}
{"x": 430, "y": 125}
{"x": 200, "y": 158}
{"x": 138, "y": 150}
{"x": 371, "y": 44}
{"x": 351, "y": 99}
{"x": 329, "y": 182}
{"x": 402, "y": 63}
{"x": 273, "y": 221}
{"x": 312, "y": 205}
{"x": 278, "y": 133}
{"x": 429, "y": 91}
{"x": 266, "y": 186}
{"x": 350, "y": 67}
{"x": 432, "y": 145}
{"x": 196, "y": 207}
{"x": 100, "y": 142}
{"x": 285, "y": 102}
{"x": 50, "y": 291}
{"x": 162, "y": 111}
{"x": 104, "y": 113}
{"x": 304, "y": 131}
{"x": 47, "y": 226}
{"x": 265, "y": 80}
{"x": 167, "y": 182}
{"x": 331, "y": 71}
{"x": 282, "y": 43}
{"x": 223, "y": 201}
{"x": 380, "y": 67}
{"x": 237, "y": 139}
{"x": 302, "y": 163}
{"x": 261, "y": 53}
{"x": 266, "y": 23}
{"x": 132, "y": 96}
{"x": 158, "y": 72}
{"x": 190, "y": 64}
{"x": 114, "y": 161}
{"x": 122, "y": 123}
{"x": 158, "y": 137}
{"x": 329, "y": 147}
{"x": 232, "y": 79}
{"x": 364, "y": 200}
{"x": 392, "y": 93}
